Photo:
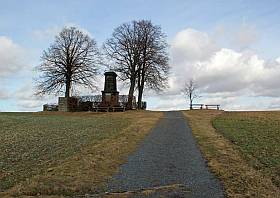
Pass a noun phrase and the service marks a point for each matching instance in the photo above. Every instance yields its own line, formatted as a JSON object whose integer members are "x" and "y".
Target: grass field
{"x": 257, "y": 136}
{"x": 66, "y": 153}
{"x": 243, "y": 150}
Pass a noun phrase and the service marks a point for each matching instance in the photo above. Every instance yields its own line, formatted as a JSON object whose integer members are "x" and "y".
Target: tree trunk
{"x": 140, "y": 95}
{"x": 139, "y": 87}
{"x": 130, "y": 93}
{"x": 68, "y": 87}
{"x": 140, "y": 91}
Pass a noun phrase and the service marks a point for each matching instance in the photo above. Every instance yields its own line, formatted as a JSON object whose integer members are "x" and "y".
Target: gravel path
{"x": 168, "y": 156}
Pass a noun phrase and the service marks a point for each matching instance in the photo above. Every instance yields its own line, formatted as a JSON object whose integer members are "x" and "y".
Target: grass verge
{"x": 227, "y": 163}
{"x": 66, "y": 153}
{"x": 257, "y": 136}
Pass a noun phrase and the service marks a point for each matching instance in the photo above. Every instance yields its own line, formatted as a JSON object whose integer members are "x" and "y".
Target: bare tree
{"x": 123, "y": 50}
{"x": 71, "y": 60}
{"x": 138, "y": 52}
{"x": 153, "y": 69}
{"x": 190, "y": 90}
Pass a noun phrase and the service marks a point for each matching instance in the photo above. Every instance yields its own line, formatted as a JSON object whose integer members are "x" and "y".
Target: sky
{"x": 230, "y": 48}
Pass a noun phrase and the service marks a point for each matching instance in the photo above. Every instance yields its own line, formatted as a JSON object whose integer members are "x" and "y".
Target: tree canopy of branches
{"x": 138, "y": 51}
{"x": 71, "y": 60}
{"x": 153, "y": 68}
{"x": 190, "y": 91}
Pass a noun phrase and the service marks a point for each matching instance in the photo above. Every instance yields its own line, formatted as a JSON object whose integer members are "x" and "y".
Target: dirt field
{"x": 66, "y": 153}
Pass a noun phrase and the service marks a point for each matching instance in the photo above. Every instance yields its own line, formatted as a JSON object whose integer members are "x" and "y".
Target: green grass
{"x": 257, "y": 136}
{"x": 31, "y": 143}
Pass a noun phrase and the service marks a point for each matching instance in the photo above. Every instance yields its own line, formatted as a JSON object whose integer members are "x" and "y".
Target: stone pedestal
{"x": 110, "y": 99}
{"x": 67, "y": 104}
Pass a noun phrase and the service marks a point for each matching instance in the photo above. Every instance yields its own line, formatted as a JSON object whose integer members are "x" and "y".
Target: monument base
{"x": 66, "y": 104}
{"x": 110, "y": 99}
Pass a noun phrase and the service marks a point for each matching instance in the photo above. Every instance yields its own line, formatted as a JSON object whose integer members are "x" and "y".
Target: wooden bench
{"x": 196, "y": 106}
{"x": 213, "y": 107}
{"x": 201, "y": 106}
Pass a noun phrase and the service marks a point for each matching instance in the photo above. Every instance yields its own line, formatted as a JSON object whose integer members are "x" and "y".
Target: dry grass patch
{"x": 238, "y": 177}
{"x": 80, "y": 151}
{"x": 175, "y": 190}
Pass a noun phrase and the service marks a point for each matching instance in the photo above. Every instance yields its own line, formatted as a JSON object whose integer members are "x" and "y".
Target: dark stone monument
{"x": 110, "y": 95}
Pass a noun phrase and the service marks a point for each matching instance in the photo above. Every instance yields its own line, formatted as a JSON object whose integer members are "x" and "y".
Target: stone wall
{"x": 88, "y": 103}
{"x": 67, "y": 104}
{"x": 50, "y": 107}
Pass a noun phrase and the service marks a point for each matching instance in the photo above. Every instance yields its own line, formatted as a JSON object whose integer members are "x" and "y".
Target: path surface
{"x": 168, "y": 156}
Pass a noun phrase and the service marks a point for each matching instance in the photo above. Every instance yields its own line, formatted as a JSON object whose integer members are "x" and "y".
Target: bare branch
{"x": 71, "y": 60}
{"x": 138, "y": 51}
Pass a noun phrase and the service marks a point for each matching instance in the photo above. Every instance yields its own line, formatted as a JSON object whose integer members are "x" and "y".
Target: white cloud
{"x": 239, "y": 37}
{"x": 192, "y": 45}
{"x": 167, "y": 102}
{"x": 27, "y": 101}
{"x": 274, "y": 104}
{"x": 15, "y": 68}
{"x": 229, "y": 71}
{"x": 12, "y": 57}
{"x": 225, "y": 76}
{"x": 4, "y": 94}
{"x": 223, "y": 70}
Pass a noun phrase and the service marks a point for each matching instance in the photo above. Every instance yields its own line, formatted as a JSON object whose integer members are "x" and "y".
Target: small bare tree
{"x": 190, "y": 91}
{"x": 71, "y": 60}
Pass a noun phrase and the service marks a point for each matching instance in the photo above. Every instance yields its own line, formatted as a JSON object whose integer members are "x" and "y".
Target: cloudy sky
{"x": 231, "y": 48}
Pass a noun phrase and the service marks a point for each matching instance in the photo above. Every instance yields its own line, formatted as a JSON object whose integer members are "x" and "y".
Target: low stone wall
{"x": 67, "y": 104}
{"x": 50, "y": 107}
{"x": 87, "y": 104}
